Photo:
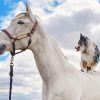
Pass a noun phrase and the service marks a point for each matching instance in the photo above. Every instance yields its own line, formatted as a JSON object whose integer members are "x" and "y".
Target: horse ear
{"x": 28, "y": 10}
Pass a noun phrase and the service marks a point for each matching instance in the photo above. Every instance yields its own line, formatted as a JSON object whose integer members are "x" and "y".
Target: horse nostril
{"x": 2, "y": 47}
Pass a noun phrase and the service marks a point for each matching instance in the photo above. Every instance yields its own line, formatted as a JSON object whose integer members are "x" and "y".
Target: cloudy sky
{"x": 64, "y": 20}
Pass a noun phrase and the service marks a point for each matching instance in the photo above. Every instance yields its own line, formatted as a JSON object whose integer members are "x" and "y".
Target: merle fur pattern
{"x": 86, "y": 52}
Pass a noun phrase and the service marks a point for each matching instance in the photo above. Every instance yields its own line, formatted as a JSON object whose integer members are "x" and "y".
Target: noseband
{"x": 14, "y": 39}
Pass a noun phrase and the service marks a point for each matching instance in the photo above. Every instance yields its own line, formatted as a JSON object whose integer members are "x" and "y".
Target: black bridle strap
{"x": 13, "y": 44}
{"x": 13, "y": 49}
{"x": 11, "y": 78}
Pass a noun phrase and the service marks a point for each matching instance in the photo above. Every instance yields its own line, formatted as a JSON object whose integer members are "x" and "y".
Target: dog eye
{"x": 20, "y": 22}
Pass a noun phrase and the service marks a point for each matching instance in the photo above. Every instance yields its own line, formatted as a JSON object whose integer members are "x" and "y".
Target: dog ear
{"x": 81, "y": 35}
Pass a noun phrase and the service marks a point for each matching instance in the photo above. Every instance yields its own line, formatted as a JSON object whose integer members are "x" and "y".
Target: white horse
{"x": 61, "y": 81}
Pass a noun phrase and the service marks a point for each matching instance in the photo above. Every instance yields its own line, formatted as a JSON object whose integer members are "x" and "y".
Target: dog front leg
{"x": 83, "y": 65}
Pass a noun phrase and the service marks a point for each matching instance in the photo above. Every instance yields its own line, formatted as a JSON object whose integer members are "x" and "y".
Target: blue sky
{"x": 6, "y": 6}
{"x": 52, "y": 4}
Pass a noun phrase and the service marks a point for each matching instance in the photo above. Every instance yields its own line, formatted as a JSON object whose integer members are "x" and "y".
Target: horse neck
{"x": 49, "y": 59}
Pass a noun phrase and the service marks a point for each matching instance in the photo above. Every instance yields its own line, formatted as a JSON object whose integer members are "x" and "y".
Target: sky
{"x": 64, "y": 20}
{"x": 5, "y": 6}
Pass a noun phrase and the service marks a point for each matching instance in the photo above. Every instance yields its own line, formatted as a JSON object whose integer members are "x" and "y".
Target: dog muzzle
{"x": 77, "y": 48}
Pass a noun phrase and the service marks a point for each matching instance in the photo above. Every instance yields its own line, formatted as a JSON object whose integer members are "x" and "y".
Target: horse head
{"x": 19, "y": 32}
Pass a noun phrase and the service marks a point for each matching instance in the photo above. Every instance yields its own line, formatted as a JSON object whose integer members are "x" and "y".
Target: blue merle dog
{"x": 89, "y": 53}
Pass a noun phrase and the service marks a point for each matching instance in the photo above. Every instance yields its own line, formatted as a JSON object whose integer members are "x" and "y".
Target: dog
{"x": 89, "y": 54}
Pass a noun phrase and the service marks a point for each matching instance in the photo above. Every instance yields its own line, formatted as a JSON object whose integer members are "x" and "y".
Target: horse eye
{"x": 20, "y": 22}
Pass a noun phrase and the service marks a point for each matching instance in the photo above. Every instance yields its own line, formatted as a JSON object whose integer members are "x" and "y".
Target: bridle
{"x": 14, "y": 39}
{"x": 13, "y": 53}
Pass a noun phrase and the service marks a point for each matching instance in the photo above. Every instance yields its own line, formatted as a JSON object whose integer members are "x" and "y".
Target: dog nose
{"x": 2, "y": 47}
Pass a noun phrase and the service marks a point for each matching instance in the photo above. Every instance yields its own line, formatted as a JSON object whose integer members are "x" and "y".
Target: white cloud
{"x": 72, "y": 18}
{"x": 26, "y": 80}
{"x": 65, "y": 24}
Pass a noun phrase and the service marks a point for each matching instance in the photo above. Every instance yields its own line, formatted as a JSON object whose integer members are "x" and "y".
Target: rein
{"x": 13, "y": 53}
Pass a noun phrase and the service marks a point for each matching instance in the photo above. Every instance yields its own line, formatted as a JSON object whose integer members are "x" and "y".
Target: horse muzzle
{"x": 2, "y": 48}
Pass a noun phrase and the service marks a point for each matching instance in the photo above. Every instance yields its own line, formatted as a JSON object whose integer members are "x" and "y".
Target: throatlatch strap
{"x": 13, "y": 49}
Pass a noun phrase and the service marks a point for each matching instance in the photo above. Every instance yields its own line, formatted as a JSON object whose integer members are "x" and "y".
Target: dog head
{"x": 82, "y": 43}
